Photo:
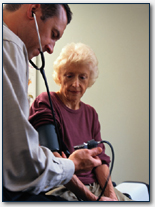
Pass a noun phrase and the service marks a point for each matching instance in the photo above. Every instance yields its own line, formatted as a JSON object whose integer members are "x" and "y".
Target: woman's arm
{"x": 102, "y": 173}
{"x": 79, "y": 189}
{"x": 82, "y": 192}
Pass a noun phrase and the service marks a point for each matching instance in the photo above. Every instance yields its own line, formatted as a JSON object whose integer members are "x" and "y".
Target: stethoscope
{"x": 42, "y": 71}
{"x": 41, "y": 51}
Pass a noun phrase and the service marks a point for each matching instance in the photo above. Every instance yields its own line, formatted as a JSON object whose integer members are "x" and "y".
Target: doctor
{"x": 28, "y": 169}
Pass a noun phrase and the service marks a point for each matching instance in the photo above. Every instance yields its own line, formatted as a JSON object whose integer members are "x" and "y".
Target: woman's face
{"x": 74, "y": 82}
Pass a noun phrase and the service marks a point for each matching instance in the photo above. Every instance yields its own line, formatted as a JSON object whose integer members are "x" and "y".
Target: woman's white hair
{"x": 79, "y": 54}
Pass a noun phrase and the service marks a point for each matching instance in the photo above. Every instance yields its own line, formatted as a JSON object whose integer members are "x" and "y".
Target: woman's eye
{"x": 83, "y": 77}
{"x": 69, "y": 76}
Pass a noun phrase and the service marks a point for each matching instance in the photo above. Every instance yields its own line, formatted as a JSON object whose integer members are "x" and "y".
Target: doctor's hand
{"x": 85, "y": 159}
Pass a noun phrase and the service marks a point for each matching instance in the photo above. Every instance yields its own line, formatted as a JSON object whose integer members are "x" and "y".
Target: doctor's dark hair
{"x": 48, "y": 10}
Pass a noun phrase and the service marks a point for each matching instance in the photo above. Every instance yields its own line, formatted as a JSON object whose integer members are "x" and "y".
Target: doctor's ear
{"x": 31, "y": 10}
{"x": 32, "y": 13}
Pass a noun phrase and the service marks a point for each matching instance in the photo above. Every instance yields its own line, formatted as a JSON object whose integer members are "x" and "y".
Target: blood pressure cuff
{"x": 48, "y": 137}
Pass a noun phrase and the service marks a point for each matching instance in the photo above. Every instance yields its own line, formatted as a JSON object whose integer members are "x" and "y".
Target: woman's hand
{"x": 56, "y": 154}
{"x": 104, "y": 198}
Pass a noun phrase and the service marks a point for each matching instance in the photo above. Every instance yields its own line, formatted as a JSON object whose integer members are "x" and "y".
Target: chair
{"x": 137, "y": 191}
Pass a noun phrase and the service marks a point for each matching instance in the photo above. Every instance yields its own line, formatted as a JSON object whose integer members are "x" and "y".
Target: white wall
{"x": 119, "y": 35}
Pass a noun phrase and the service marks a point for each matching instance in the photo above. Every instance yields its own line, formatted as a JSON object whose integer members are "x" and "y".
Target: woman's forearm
{"x": 80, "y": 190}
{"x": 77, "y": 187}
{"x": 102, "y": 173}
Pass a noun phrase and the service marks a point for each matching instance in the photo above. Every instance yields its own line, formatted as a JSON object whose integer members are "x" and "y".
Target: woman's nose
{"x": 76, "y": 82}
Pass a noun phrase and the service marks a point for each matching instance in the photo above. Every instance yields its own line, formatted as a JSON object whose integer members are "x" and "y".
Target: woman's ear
{"x": 59, "y": 79}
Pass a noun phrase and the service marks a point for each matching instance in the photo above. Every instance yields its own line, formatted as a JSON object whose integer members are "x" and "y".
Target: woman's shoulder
{"x": 45, "y": 95}
{"x": 88, "y": 108}
{"x": 42, "y": 96}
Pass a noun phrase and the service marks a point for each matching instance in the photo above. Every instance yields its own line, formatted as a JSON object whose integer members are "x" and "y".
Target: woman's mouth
{"x": 75, "y": 92}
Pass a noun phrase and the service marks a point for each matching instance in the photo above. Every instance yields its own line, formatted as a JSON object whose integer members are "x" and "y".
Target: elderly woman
{"x": 75, "y": 70}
